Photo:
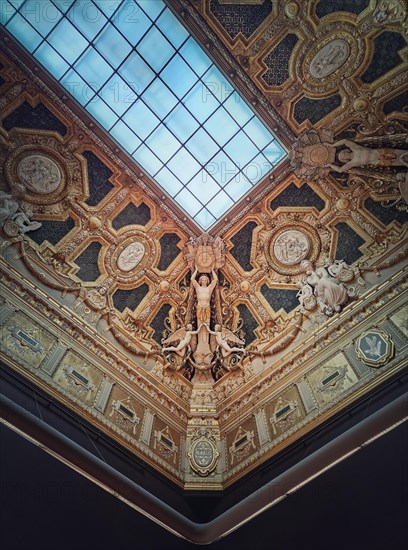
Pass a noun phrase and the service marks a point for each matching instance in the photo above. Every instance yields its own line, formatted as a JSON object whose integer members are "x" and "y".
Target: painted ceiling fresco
{"x": 101, "y": 268}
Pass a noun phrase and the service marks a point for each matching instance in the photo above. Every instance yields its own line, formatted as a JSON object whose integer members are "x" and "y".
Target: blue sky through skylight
{"x": 134, "y": 67}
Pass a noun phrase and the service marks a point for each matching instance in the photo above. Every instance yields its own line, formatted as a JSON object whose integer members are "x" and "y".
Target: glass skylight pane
{"x": 141, "y": 119}
{"x": 219, "y": 204}
{"x": 204, "y": 218}
{"x": 24, "y": 32}
{"x": 172, "y": 28}
{"x": 238, "y": 109}
{"x": 241, "y": 147}
{"x": 77, "y": 87}
{"x": 222, "y": 169}
{"x": 202, "y": 146}
{"x": 103, "y": 114}
{"x": 51, "y": 60}
{"x": 168, "y": 181}
{"x": 184, "y": 165}
{"x": 187, "y": 201}
{"x": 178, "y": 76}
{"x": 141, "y": 78}
{"x": 147, "y": 159}
{"x": 87, "y": 18}
{"x": 136, "y": 73}
{"x": 153, "y": 8}
{"x": 221, "y": 126}
{"x": 108, "y": 7}
{"x": 132, "y": 22}
{"x": 67, "y": 41}
{"x": 217, "y": 84}
{"x": 124, "y": 135}
{"x": 155, "y": 49}
{"x": 238, "y": 186}
{"x": 195, "y": 57}
{"x": 6, "y": 12}
{"x": 159, "y": 98}
{"x": 117, "y": 94}
{"x": 273, "y": 152}
{"x": 93, "y": 68}
{"x": 163, "y": 143}
{"x": 200, "y": 102}
{"x": 203, "y": 186}
{"x": 42, "y": 16}
{"x": 257, "y": 169}
{"x": 181, "y": 123}
{"x": 112, "y": 46}
{"x": 258, "y": 133}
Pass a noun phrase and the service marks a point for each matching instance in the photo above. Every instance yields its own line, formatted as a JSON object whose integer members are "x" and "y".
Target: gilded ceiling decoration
{"x": 207, "y": 354}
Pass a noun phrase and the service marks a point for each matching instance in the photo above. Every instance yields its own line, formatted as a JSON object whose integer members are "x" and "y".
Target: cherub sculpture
{"x": 184, "y": 336}
{"x": 222, "y": 337}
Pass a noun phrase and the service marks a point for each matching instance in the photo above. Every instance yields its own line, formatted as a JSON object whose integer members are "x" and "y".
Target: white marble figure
{"x": 306, "y": 297}
{"x": 184, "y": 336}
{"x": 330, "y": 293}
{"x": 357, "y": 156}
{"x": 222, "y": 336}
{"x": 10, "y": 211}
{"x": 374, "y": 346}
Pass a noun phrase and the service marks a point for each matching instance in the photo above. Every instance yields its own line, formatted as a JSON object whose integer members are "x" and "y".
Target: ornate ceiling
{"x": 90, "y": 294}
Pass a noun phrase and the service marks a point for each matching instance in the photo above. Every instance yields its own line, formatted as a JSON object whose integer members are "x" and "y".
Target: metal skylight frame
{"x": 134, "y": 67}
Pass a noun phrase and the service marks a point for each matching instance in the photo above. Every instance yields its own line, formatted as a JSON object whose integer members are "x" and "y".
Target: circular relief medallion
{"x": 289, "y": 244}
{"x": 39, "y": 173}
{"x": 330, "y": 58}
{"x": 291, "y": 247}
{"x": 203, "y": 455}
{"x": 131, "y": 256}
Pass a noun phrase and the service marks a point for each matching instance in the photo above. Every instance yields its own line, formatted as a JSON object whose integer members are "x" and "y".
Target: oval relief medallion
{"x": 39, "y": 174}
{"x": 131, "y": 256}
{"x": 327, "y": 60}
{"x": 291, "y": 247}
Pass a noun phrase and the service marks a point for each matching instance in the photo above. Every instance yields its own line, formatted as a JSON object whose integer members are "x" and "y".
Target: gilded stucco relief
{"x": 207, "y": 354}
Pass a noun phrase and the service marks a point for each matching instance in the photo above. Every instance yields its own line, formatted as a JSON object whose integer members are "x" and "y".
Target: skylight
{"x": 144, "y": 78}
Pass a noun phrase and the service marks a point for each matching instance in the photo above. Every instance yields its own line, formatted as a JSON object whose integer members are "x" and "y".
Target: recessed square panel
{"x": 184, "y": 165}
{"x": 42, "y": 17}
{"x": 219, "y": 204}
{"x": 87, "y": 18}
{"x": 204, "y": 218}
{"x": 125, "y": 136}
{"x": 141, "y": 119}
{"x": 188, "y": 201}
{"x": 68, "y": 42}
{"x": 178, "y": 76}
{"x": 163, "y": 143}
{"x": 132, "y": 22}
{"x": 181, "y": 123}
{"x": 111, "y": 44}
{"x": 51, "y": 60}
{"x": 221, "y": 126}
{"x": 222, "y": 168}
{"x": 203, "y": 186}
{"x": 103, "y": 114}
{"x": 200, "y": 102}
{"x": 172, "y": 29}
{"x": 24, "y": 32}
{"x": 147, "y": 159}
{"x": 155, "y": 49}
{"x": 202, "y": 146}
{"x": 168, "y": 181}
{"x": 93, "y": 68}
{"x": 136, "y": 72}
{"x": 159, "y": 98}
